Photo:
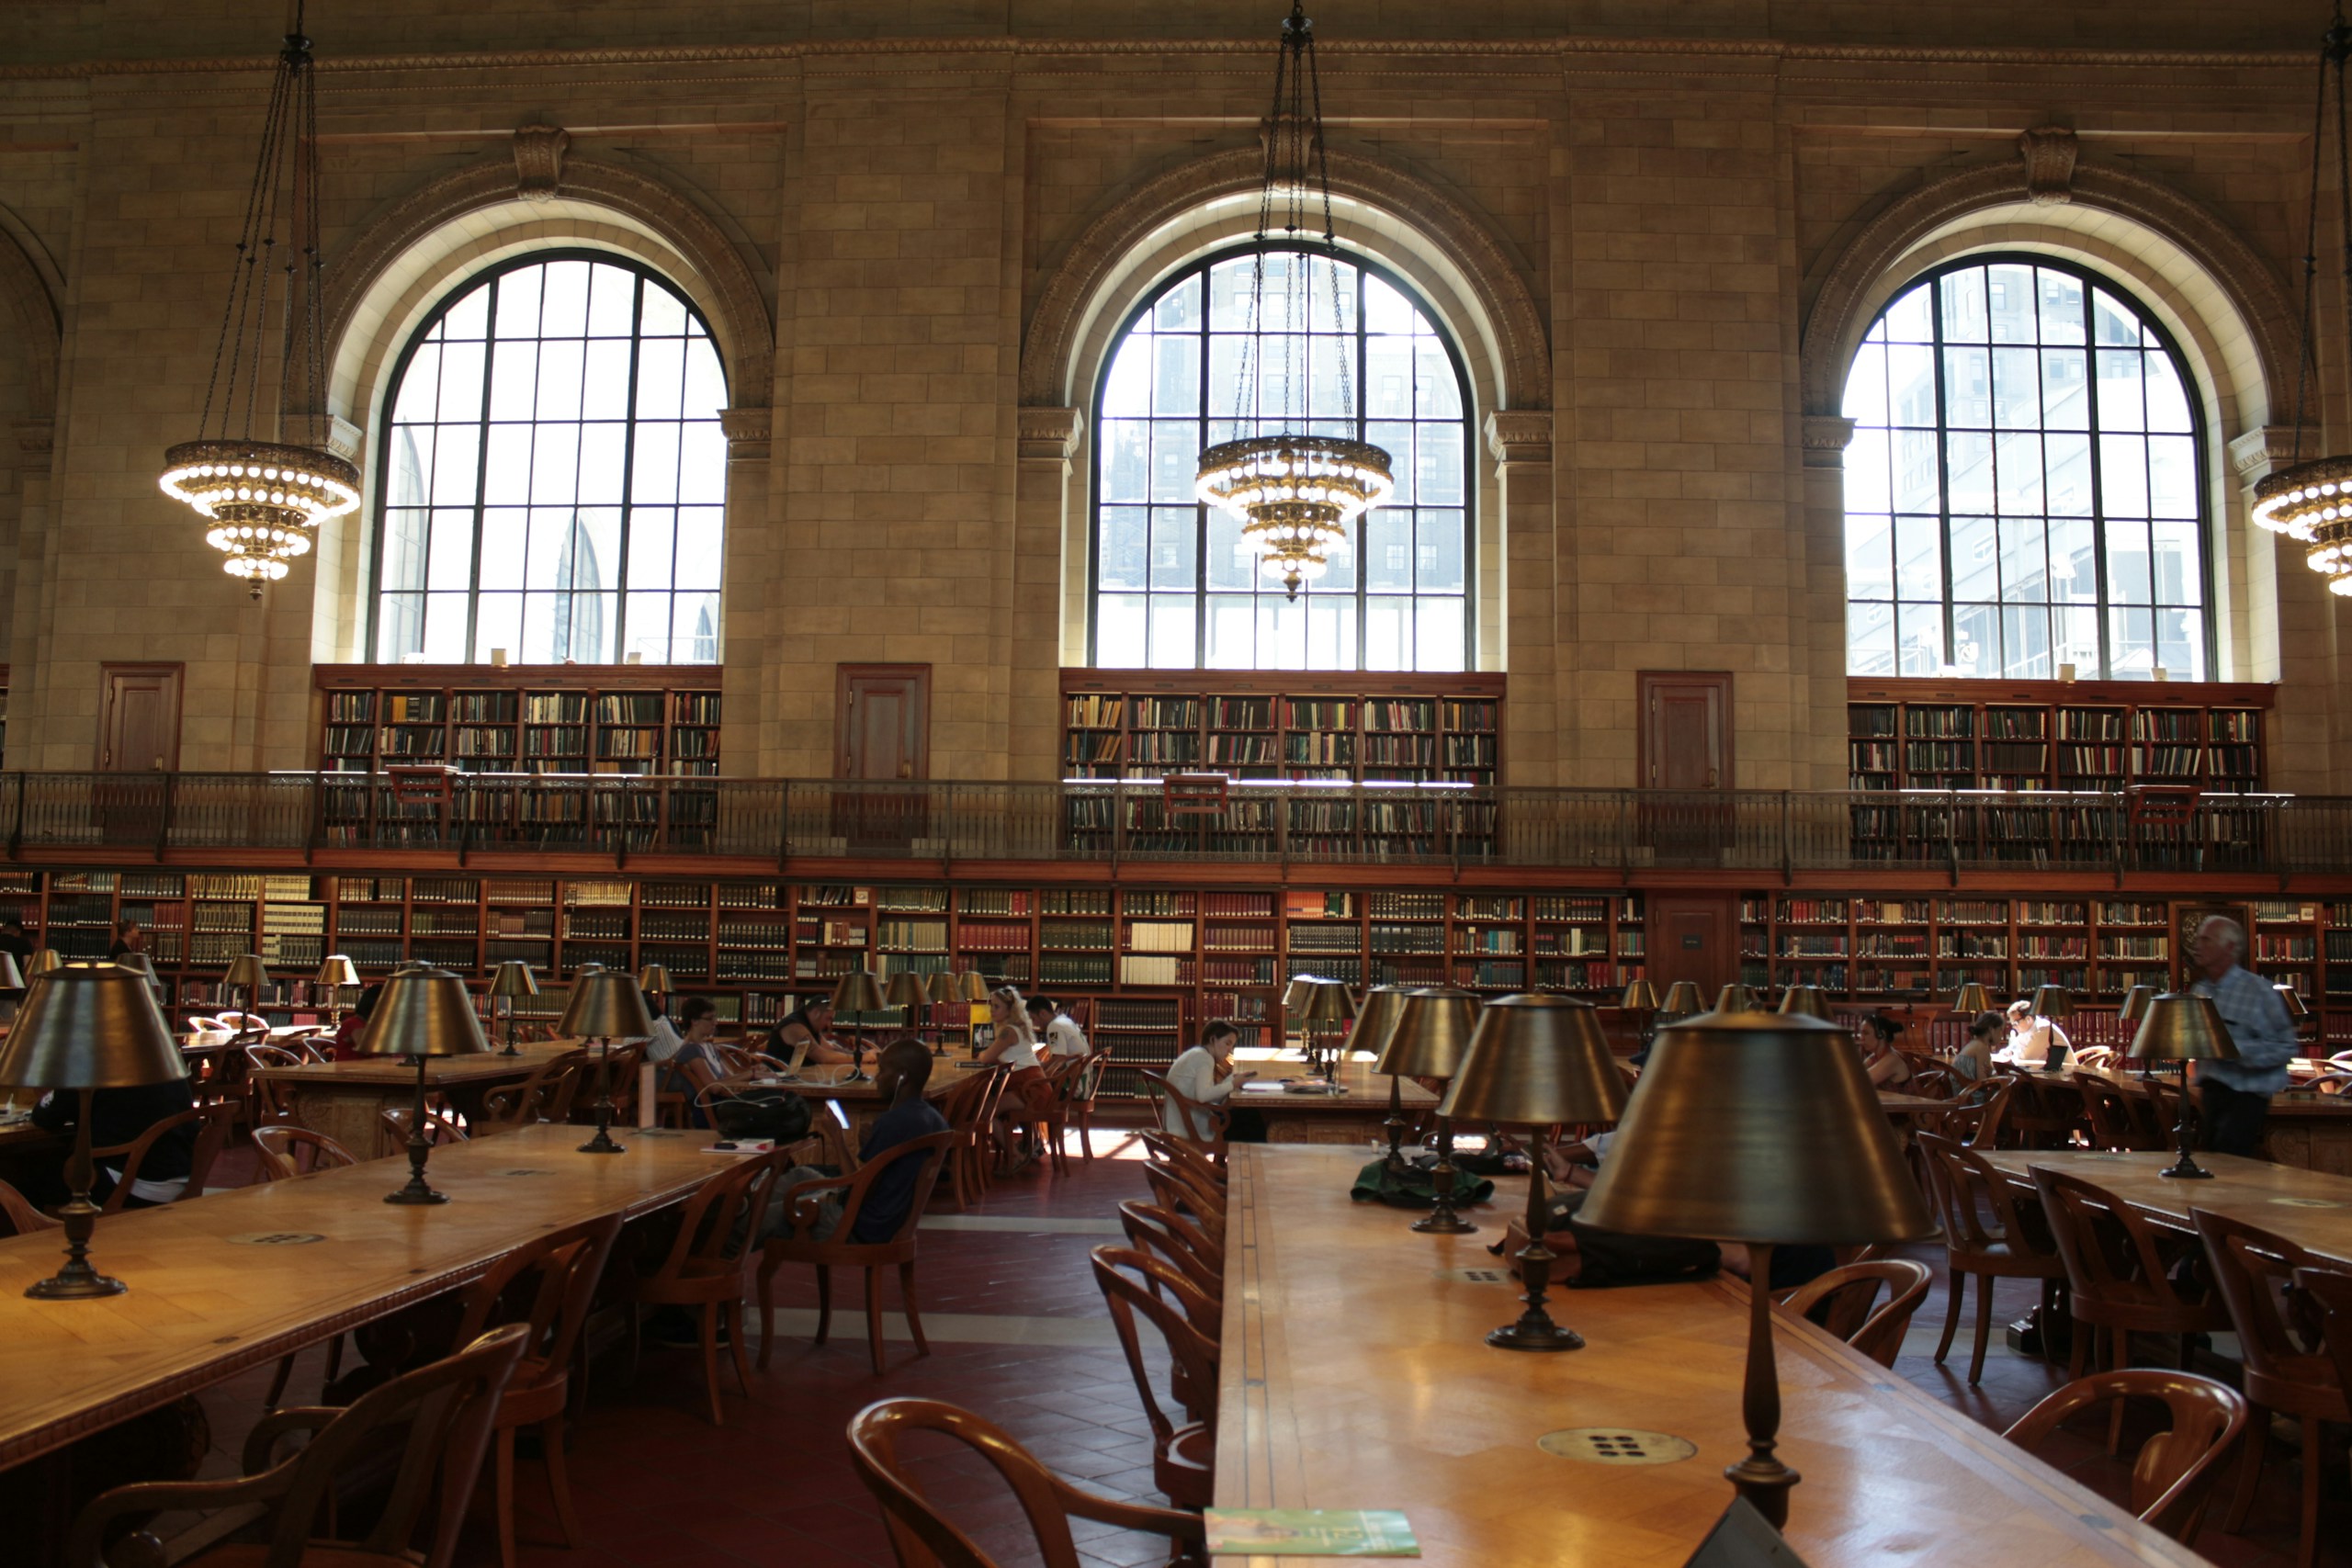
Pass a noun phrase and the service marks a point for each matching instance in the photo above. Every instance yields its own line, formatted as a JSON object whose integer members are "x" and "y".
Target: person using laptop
{"x": 810, "y": 1024}
{"x": 694, "y": 1065}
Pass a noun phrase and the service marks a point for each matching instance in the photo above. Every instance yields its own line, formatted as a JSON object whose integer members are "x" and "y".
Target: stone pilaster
{"x": 1046, "y": 439}
{"x": 1534, "y": 721}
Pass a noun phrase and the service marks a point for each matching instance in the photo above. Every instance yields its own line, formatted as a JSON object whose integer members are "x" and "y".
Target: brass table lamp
{"x": 1536, "y": 1062}
{"x": 85, "y": 1027}
{"x": 653, "y": 979}
{"x": 1428, "y": 1040}
{"x": 1328, "y": 1008}
{"x": 1970, "y": 999}
{"x": 337, "y": 973}
{"x": 605, "y": 1005}
{"x": 247, "y": 974}
{"x": 910, "y": 993}
{"x": 973, "y": 986}
{"x": 2053, "y": 1001}
{"x": 1376, "y": 1020}
{"x": 2181, "y": 1026}
{"x": 1759, "y": 1128}
{"x": 946, "y": 991}
{"x": 424, "y": 1012}
{"x": 857, "y": 995}
{"x": 1804, "y": 1001}
{"x": 1641, "y": 997}
{"x": 512, "y": 982}
{"x": 1736, "y": 997}
{"x": 44, "y": 960}
{"x": 2135, "y": 1003}
{"x": 1681, "y": 1001}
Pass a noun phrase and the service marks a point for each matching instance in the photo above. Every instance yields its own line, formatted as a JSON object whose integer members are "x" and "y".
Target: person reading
{"x": 810, "y": 1024}
{"x": 1973, "y": 1063}
{"x": 1206, "y": 1075}
{"x": 1056, "y": 1029}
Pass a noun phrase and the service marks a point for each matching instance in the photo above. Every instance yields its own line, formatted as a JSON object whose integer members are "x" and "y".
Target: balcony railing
{"x": 187, "y": 815}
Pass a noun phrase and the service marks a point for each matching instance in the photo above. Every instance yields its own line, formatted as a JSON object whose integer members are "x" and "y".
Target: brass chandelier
{"x": 1295, "y": 493}
{"x": 265, "y": 496}
{"x": 2311, "y": 502}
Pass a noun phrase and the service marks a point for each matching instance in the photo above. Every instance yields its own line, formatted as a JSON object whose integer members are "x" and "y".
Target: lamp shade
{"x": 44, "y": 960}
{"x": 908, "y": 989}
{"x": 858, "y": 994}
{"x": 1757, "y": 1127}
{"x": 604, "y": 1004}
{"x": 1377, "y": 1017}
{"x": 1682, "y": 1000}
{"x": 1804, "y": 1001}
{"x": 2135, "y": 1003}
{"x": 2292, "y": 1000}
{"x": 1640, "y": 997}
{"x": 1536, "y": 1061}
{"x": 973, "y": 986}
{"x": 90, "y": 1026}
{"x": 11, "y": 978}
{"x": 943, "y": 988}
{"x": 246, "y": 971}
{"x": 1295, "y": 994}
{"x": 424, "y": 1012}
{"x": 1970, "y": 999}
{"x": 336, "y": 970}
{"x": 1431, "y": 1035}
{"x": 2053, "y": 1001}
{"x": 1736, "y": 997}
{"x": 514, "y": 979}
{"x": 653, "y": 978}
{"x": 1327, "y": 1002}
{"x": 2181, "y": 1026}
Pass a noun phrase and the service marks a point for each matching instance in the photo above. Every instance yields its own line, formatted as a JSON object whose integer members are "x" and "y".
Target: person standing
{"x": 2234, "y": 1097}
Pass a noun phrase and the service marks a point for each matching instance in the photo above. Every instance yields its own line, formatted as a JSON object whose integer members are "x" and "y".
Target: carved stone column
{"x": 1047, "y": 595}
{"x": 1823, "y": 440}
{"x": 749, "y": 580}
{"x": 1536, "y": 715}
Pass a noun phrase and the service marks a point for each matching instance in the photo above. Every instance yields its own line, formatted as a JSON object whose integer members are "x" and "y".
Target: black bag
{"x": 1412, "y": 1188}
{"x": 1606, "y": 1259}
{"x": 762, "y": 1113}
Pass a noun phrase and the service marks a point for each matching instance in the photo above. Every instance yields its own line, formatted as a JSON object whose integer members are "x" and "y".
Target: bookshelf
{"x": 528, "y": 719}
{"x": 2036, "y": 735}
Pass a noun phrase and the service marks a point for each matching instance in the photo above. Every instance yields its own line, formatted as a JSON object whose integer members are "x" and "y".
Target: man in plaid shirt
{"x": 2235, "y": 1095}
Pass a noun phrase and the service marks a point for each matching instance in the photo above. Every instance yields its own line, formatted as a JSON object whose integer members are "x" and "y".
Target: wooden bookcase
{"x": 529, "y": 719}
{"x": 2054, "y": 735}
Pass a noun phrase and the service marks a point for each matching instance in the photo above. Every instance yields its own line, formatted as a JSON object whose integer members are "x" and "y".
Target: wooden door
{"x": 141, "y": 731}
{"x": 884, "y": 721}
{"x": 1692, "y": 938}
{"x": 1686, "y": 728}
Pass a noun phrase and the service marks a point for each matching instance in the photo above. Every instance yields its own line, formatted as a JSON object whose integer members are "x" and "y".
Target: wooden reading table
{"x": 2308, "y": 1207}
{"x": 1355, "y": 1375}
{"x": 346, "y": 1100}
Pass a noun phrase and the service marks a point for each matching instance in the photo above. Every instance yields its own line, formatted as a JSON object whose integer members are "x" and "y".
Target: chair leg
{"x": 2084, "y": 1335}
{"x": 2256, "y": 1444}
{"x": 2307, "y": 1549}
{"x": 558, "y": 1478}
{"x": 636, "y": 1337}
{"x": 1951, "y": 1315}
{"x": 824, "y": 1303}
{"x": 277, "y": 1384}
{"x": 907, "y": 1299}
{"x": 1983, "y": 1330}
{"x": 505, "y": 1486}
{"x": 734, "y": 1319}
{"x": 767, "y": 1312}
{"x": 874, "y": 1319}
{"x": 710, "y": 1360}
{"x": 335, "y": 1358}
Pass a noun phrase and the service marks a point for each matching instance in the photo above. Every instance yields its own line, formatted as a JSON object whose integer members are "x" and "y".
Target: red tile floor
{"x": 658, "y": 1486}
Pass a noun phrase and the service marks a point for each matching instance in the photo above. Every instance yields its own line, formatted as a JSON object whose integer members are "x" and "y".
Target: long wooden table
{"x": 1355, "y": 1376}
{"x": 346, "y": 1100}
{"x": 2306, "y": 1206}
{"x": 2306, "y": 1130}
{"x": 1354, "y": 1118}
{"x": 238, "y": 1278}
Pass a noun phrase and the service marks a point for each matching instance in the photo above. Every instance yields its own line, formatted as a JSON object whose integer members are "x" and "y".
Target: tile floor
{"x": 1018, "y": 1333}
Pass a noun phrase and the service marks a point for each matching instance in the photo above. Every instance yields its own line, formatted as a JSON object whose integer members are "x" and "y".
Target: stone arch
{"x": 2226, "y": 294}
{"x": 1435, "y": 239}
{"x": 31, "y": 293}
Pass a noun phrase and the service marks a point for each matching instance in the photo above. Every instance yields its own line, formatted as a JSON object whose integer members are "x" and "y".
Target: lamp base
{"x": 417, "y": 1192}
{"x": 74, "y": 1283}
{"x": 1442, "y": 1220}
{"x": 2186, "y": 1171}
{"x": 602, "y": 1143}
{"x": 1765, "y": 1484}
{"x": 1445, "y": 1221}
{"x": 1544, "y": 1336}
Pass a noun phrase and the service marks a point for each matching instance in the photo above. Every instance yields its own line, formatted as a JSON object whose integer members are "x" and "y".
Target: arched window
{"x": 553, "y": 475}
{"x": 2025, "y": 486}
{"x": 1174, "y": 585}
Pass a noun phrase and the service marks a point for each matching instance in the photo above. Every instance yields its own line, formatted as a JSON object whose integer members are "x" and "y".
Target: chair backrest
{"x": 1175, "y": 1191}
{"x": 1178, "y": 1113}
{"x": 2174, "y": 1474}
{"x": 1840, "y": 1302}
{"x": 2110, "y": 1253}
{"x": 211, "y": 1136}
{"x": 548, "y": 1285}
{"x": 2255, "y": 1271}
{"x": 1976, "y": 1206}
{"x": 2329, "y": 1291}
{"x": 266, "y": 1095}
{"x": 1087, "y": 1083}
{"x": 1151, "y": 1228}
{"x": 923, "y": 1536}
{"x": 559, "y": 1083}
{"x": 1136, "y": 1284}
{"x": 1992, "y": 1117}
{"x": 2110, "y": 1116}
{"x": 287, "y": 1151}
{"x": 932, "y": 1149}
{"x": 19, "y": 1215}
{"x": 709, "y": 1229}
{"x": 133, "y": 1155}
{"x": 1202, "y": 1165}
{"x": 2046, "y": 1108}
{"x": 440, "y": 1127}
{"x": 961, "y": 1104}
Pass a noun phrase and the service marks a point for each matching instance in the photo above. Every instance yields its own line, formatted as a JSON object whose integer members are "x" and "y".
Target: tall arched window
{"x": 2026, "y": 488}
{"x": 1174, "y": 585}
{"x": 553, "y": 476}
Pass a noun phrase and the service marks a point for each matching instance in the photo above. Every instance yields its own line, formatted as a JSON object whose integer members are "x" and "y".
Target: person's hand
{"x": 1240, "y": 1078}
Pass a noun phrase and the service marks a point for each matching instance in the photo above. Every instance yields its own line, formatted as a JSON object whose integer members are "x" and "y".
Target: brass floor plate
{"x": 1616, "y": 1445}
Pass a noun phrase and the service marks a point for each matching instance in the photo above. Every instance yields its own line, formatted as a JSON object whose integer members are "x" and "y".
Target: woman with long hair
{"x": 1028, "y": 1099}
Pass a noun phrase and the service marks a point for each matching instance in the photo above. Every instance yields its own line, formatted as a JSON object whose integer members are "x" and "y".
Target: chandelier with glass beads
{"x": 1295, "y": 492}
{"x": 261, "y": 494}
{"x": 2311, "y": 502}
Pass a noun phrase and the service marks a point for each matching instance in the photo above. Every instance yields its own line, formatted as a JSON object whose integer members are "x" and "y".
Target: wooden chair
{"x": 2046, "y": 1110}
{"x": 1075, "y": 1110}
{"x": 2288, "y": 1368}
{"x": 1061, "y": 1081}
{"x": 1988, "y": 1234}
{"x": 923, "y": 1536}
{"x": 433, "y": 1425}
{"x": 1193, "y": 1115}
{"x": 708, "y": 1264}
{"x": 440, "y": 1126}
{"x": 211, "y": 1133}
{"x": 1840, "y": 1302}
{"x": 2092, "y": 1056}
{"x": 1204, "y": 1168}
{"x": 2113, "y": 1125}
{"x": 844, "y": 1250}
{"x": 267, "y": 1099}
{"x": 2172, "y": 1477}
{"x": 2119, "y": 1281}
{"x": 287, "y": 1151}
{"x": 19, "y": 1215}
{"x": 1175, "y": 1191}
{"x": 971, "y": 1157}
{"x": 1153, "y": 1229}
{"x": 1184, "y": 1455}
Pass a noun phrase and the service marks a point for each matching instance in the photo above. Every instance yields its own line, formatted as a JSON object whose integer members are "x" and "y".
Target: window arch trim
{"x": 1465, "y": 388}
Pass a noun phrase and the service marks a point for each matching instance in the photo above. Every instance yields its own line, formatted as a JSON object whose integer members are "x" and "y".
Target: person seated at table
{"x": 1885, "y": 1064}
{"x": 1206, "y": 1075}
{"x": 1626, "y": 1259}
{"x": 1055, "y": 1029}
{"x": 345, "y": 1047}
{"x": 128, "y": 939}
{"x": 810, "y": 1024}
{"x": 1027, "y": 1098}
{"x": 2032, "y": 1038}
{"x": 663, "y": 1043}
{"x": 120, "y": 1116}
{"x": 901, "y": 1072}
{"x": 1973, "y": 1063}
{"x": 695, "y": 1066}
{"x": 13, "y": 940}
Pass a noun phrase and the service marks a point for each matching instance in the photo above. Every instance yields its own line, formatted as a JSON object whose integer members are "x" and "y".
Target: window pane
{"x": 2180, "y": 644}
{"x": 1437, "y": 562}
{"x": 1870, "y": 557}
{"x": 1439, "y": 646}
{"x": 1175, "y": 546}
{"x": 1123, "y": 555}
{"x": 1975, "y": 639}
{"x": 1870, "y": 638}
{"x": 1233, "y": 620}
{"x": 2131, "y": 642}
{"x": 1388, "y": 551}
{"x": 702, "y": 544}
{"x": 2127, "y": 563}
{"x": 445, "y": 628}
{"x": 2025, "y": 641}
{"x": 2025, "y": 566}
{"x": 505, "y": 538}
{"x": 2178, "y": 574}
{"x": 1388, "y": 634}
{"x": 1921, "y": 638}
{"x": 1119, "y": 627}
{"x": 1231, "y": 563}
{"x": 1126, "y": 390}
{"x": 1975, "y": 559}
{"x": 652, "y": 537}
{"x": 451, "y": 563}
{"x": 1437, "y": 467}
{"x": 406, "y": 533}
{"x": 498, "y": 623}
{"x": 1918, "y": 558}
{"x": 1332, "y": 632}
{"x": 1173, "y": 632}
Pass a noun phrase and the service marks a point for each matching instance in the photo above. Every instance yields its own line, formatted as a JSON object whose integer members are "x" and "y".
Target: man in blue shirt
{"x": 900, "y": 1074}
{"x": 2235, "y": 1095}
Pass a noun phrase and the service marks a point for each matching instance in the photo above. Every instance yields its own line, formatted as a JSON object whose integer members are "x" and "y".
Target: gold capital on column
{"x": 1825, "y": 438}
{"x": 748, "y": 432}
{"x": 2259, "y": 452}
{"x": 1049, "y": 434}
{"x": 1520, "y": 435}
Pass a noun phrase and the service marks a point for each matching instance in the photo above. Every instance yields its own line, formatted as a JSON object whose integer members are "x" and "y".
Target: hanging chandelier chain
{"x": 2307, "y": 349}
{"x": 1322, "y": 150}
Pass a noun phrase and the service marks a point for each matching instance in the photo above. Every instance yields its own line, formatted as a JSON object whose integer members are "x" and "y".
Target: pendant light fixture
{"x": 262, "y": 493}
{"x": 2311, "y": 502}
{"x": 1295, "y": 493}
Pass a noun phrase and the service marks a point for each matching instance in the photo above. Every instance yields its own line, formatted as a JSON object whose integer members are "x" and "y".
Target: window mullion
{"x": 2099, "y": 484}
{"x": 481, "y": 474}
{"x": 1943, "y": 479}
{"x": 628, "y": 455}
